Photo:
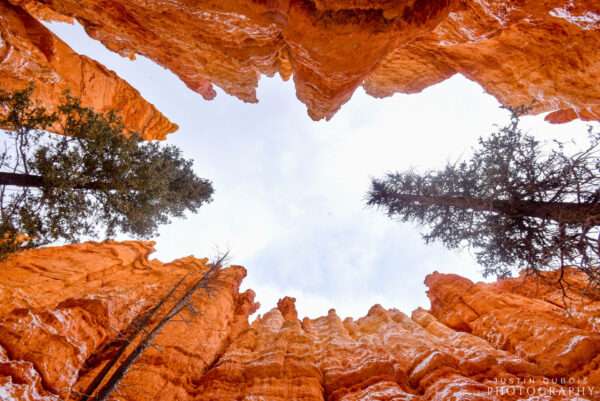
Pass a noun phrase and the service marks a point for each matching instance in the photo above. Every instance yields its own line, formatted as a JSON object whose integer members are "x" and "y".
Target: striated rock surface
{"x": 65, "y": 312}
{"x": 31, "y": 53}
{"x": 103, "y": 319}
{"x": 540, "y": 54}
{"x": 558, "y": 332}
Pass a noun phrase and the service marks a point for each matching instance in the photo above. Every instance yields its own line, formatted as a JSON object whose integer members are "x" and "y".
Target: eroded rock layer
{"x": 104, "y": 320}
{"x": 65, "y": 313}
{"x": 541, "y": 54}
{"x": 30, "y": 53}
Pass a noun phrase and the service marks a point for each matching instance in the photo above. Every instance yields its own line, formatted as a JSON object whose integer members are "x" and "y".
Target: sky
{"x": 289, "y": 200}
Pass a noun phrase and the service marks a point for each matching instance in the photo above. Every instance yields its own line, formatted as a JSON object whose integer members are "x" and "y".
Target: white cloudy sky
{"x": 289, "y": 200}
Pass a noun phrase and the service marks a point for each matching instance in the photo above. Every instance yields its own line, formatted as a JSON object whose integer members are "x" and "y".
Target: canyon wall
{"x": 540, "y": 54}
{"x": 30, "y": 53}
{"x": 105, "y": 319}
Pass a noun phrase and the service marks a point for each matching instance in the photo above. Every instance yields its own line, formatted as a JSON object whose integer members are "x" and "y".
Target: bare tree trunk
{"x": 563, "y": 212}
{"x": 118, "y": 375}
{"x": 138, "y": 328}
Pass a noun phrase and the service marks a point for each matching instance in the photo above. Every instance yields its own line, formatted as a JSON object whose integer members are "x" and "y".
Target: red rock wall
{"x": 64, "y": 313}
{"x": 526, "y": 318}
{"x": 31, "y": 53}
{"x": 541, "y": 54}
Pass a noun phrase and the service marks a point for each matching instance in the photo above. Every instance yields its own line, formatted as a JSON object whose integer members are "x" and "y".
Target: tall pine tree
{"x": 93, "y": 179}
{"x": 516, "y": 204}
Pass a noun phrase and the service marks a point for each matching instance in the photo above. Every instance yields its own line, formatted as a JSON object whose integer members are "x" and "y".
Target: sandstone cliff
{"x": 541, "y": 54}
{"x": 31, "y": 53}
{"x": 71, "y": 315}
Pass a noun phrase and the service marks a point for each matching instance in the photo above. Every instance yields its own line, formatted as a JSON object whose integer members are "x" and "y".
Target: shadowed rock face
{"x": 66, "y": 312}
{"x": 541, "y": 54}
{"x": 29, "y": 53}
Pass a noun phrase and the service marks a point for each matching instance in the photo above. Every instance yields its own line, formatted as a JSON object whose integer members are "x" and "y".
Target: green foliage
{"x": 515, "y": 204}
{"x": 93, "y": 179}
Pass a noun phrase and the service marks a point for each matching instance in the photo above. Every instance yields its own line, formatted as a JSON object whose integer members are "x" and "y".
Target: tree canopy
{"x": 95, "y": 179}
{"x": 516, "y": 203}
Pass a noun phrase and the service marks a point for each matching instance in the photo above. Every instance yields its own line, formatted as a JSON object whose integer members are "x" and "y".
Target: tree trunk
{"x": 137, "y": 329}
{"x": 105, "y": 391}
{"x": 37, "y": 181}
{"x": 563, "y": 212}
{"x": 21, "y": 180}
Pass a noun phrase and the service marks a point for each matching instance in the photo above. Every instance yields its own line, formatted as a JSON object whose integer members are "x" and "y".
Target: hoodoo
{"x": 90, "y": 319}
{"x": 104, "y": 321}
{"x": 31, "y": 54}
{"x": 542, "y": 55}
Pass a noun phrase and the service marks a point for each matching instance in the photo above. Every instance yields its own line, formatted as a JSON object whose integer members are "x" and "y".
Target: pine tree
{"x": 515, "y": 203}
{"x": 95, "y": 178}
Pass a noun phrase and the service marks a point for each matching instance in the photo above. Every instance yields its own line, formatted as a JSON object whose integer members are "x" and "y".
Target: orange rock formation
{"x": 541, "y": 54}
{"x": 31, "y": 53}
{"x": 77, "y": 319}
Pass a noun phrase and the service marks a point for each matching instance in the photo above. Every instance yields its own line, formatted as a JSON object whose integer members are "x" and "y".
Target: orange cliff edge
{"x": 30, "y": 53}
{"x": 539, "y": 54}
{"x": 66, "y": 311}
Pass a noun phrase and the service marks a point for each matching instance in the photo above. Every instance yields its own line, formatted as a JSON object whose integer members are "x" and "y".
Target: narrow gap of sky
{"x": 289, "y": 200}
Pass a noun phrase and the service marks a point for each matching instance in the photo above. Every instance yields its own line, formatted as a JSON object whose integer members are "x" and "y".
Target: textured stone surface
{"x": 65, "y": 312}
{"x": 533, "y": 320}
{"x": 29, "y": 53}
{"x": 541, "y": 54}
